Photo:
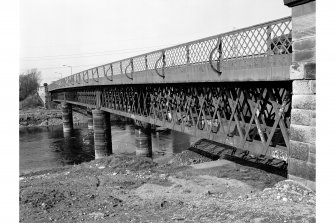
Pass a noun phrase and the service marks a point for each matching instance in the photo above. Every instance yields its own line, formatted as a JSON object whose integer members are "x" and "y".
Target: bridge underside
{"x": 253, "y": 116}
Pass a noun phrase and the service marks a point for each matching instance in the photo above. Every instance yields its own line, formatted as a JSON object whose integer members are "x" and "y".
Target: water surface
{"x": 47, "y": 147}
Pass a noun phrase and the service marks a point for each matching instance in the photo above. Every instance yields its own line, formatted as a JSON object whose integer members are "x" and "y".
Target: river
{"x": 46, "y": 147}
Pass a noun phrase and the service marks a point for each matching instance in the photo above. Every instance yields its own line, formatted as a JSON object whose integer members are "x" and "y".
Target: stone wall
{"x": 301, "y": 162}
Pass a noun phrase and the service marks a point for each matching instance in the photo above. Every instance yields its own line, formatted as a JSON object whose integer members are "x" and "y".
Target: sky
{"x": 87, "y": 33}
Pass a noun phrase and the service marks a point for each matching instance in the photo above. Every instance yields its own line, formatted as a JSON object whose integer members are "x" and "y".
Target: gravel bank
{"x": 43, "y": 117}
{"x": 125, "y": 188}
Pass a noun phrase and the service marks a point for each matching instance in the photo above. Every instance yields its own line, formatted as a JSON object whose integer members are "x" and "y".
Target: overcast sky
{"x": 87, "y": 33}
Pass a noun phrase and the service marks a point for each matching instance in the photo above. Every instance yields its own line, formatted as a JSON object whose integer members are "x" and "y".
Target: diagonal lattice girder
{"x": 253, "y": 117}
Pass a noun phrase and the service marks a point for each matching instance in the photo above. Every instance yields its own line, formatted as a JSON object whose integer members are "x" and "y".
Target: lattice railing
{"x": 263, "y": 40}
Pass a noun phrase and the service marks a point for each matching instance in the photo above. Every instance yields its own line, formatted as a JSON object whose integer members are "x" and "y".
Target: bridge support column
{"x": 301, "y": 159}
{"x": 102, "y": 133}
{"x": 67, "y": 117}
{"x": 48, "y": 103}
{"x": 89, "y": 120}
{"x": 143, "y": 139}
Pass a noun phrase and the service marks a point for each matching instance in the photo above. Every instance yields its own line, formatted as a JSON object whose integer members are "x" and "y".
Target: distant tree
{"x": 29, "y": 83}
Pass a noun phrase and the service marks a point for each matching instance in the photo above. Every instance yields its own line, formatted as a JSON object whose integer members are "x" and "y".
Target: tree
{"x": 29, "y": 83}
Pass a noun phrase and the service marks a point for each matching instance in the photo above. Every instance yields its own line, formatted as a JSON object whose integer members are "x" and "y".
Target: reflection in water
{"x": 49, "y": 147}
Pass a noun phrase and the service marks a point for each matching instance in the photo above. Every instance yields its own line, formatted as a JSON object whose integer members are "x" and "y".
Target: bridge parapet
{"x": 257, "y": 53}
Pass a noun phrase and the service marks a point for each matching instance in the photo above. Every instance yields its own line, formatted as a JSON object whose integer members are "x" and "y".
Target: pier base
{"x": 143, "y": 139}
{"x": 89, "y": 120}
{"x": 67, "y": 117}
{"x": 102, "y": 133}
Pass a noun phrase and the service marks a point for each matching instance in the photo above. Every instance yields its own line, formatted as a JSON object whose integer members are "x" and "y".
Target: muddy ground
{"x": 186, "y": 187}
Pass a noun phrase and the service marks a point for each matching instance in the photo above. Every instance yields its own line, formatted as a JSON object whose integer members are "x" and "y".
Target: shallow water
{"x": 47, "y": 147}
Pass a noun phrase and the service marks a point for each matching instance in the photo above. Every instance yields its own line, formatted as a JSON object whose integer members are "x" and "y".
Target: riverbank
{"x": 186, "y": 187}
{"x": 43, "y": 117}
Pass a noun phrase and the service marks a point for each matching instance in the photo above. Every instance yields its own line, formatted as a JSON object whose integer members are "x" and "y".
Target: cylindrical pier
{"x": 143, "y": 140}
{"x": 89, "y": 120}
{"x": 102, "y": 133}
{"x": 67, "y": 117}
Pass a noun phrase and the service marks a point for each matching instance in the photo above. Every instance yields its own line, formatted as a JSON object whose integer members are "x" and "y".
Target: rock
{"x": 242, "y": 170}
{"x": 97, "y": 215}
{"x": 164, "y": 204}
{"x": 163, "y": 175}
{"x": 258, "y": 220}
{"x": 284, "y": 199}
{"x": 286, "y": 187}
{"x": 178, "y": 218}
{"x": 267, "y": 189}
{"x": 208, "y": 192}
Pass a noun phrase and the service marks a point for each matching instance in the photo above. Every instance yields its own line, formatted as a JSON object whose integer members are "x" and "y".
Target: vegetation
{"x": 32, "y": 101}
{"x": 29, "y": 83}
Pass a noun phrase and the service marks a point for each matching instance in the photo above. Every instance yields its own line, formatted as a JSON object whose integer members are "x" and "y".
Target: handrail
{"x": 257, "y": 39}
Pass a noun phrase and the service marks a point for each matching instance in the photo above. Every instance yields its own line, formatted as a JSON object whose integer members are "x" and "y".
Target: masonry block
{"x": 301, "y": 169}
{"x": 303, "y": 70}
{"x": 310, "y": 70}
{"x": 311, "y": 171}
{"x": 297, "y": 71}
{"x": 304, "y": 87}
{"x": 303, "y": 56}
{"x": 312, "y": 158}
{"x": 303, "y": 22}
{"x": 304, "y": 44}
{"x": 297, "y": 167}
{"x": 303, "y": 117}
{"x": 306, "y": 102}
{"x": 299, "y": 150}
{"x": 303, "y": 33}
{"x": 303, "y": 146}
{"x": 304, "y": 9}
{"x": 302, "y": 133}
{"x": 312, "y": 148}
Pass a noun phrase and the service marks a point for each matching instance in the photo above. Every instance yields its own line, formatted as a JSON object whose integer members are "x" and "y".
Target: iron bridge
{"x": 232, "y": 88}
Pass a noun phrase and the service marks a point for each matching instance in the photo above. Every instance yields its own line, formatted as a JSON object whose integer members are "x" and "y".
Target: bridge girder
{"x": 253, "y": 117}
